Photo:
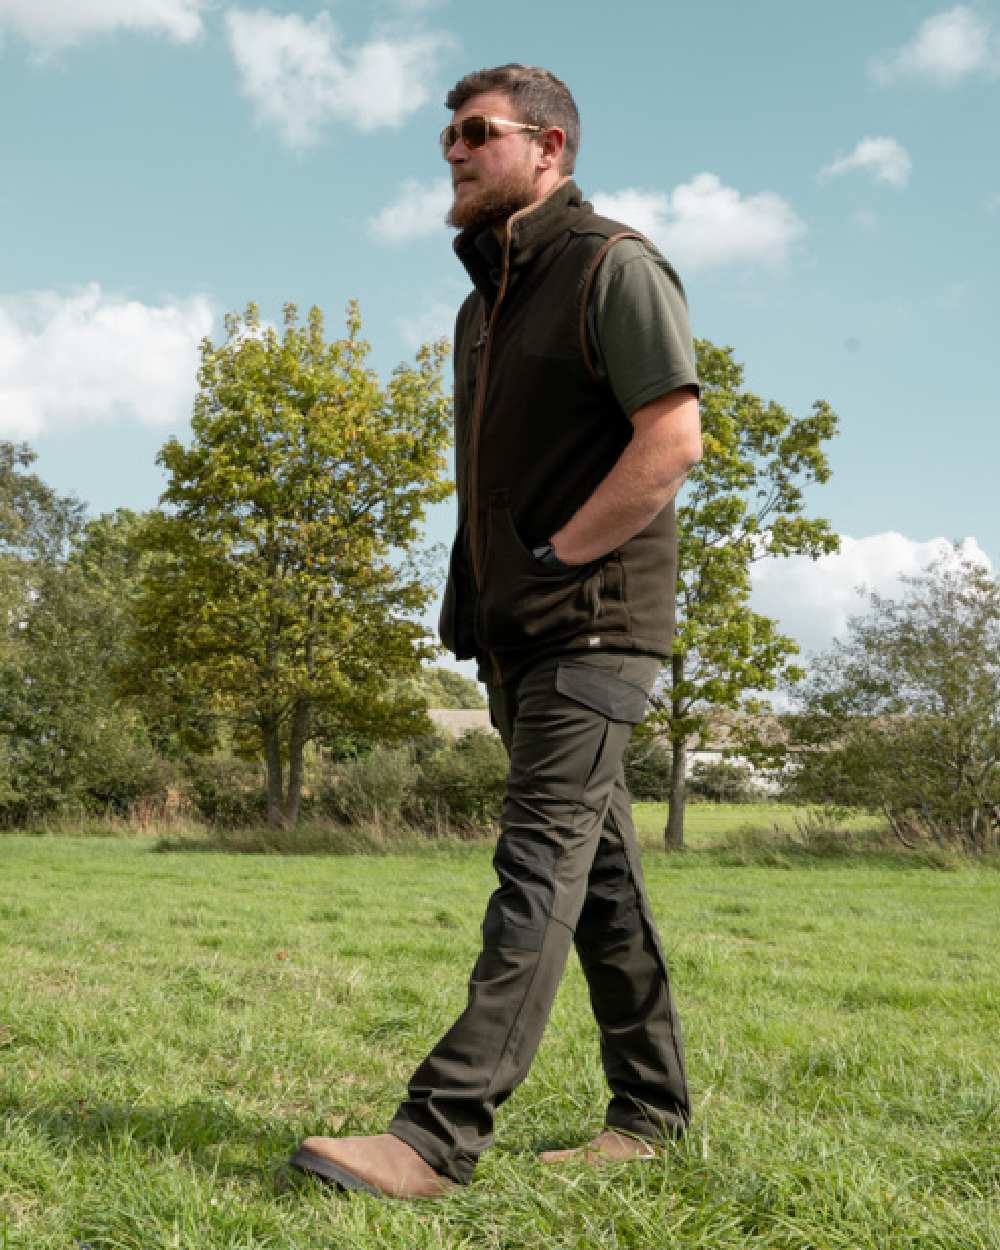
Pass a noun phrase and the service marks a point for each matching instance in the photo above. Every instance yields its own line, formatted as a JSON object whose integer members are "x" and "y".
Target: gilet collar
{"x": 529, "y": 231}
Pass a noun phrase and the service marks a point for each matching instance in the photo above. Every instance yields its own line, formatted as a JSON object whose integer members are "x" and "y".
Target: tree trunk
{"x": 673, "y": 835}
{"x": 296, "y": 762}
{"x": 272, "y": 760}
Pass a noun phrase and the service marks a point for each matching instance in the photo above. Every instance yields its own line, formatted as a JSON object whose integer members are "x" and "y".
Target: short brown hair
{"x": 538, "y": 98}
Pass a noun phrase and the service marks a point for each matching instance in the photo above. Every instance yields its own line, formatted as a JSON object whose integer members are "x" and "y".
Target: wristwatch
{"x": 546, "y": 554}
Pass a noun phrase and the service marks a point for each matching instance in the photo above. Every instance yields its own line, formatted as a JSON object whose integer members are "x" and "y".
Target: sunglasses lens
{"x": 475, "y": 131}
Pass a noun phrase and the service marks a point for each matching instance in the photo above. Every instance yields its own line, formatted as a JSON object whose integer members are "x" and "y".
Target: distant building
{"x": 460, "y": 720}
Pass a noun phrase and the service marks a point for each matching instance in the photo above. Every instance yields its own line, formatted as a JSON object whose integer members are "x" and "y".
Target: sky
{"x": 825, "y": 178}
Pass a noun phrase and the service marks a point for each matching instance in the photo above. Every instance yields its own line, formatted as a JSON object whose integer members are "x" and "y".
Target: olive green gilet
{"x": 535, "y": 432}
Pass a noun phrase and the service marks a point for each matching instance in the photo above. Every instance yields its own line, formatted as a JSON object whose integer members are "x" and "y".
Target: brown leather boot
{"x": 607, "y": 1147}
{"x": 384, "y": 1166}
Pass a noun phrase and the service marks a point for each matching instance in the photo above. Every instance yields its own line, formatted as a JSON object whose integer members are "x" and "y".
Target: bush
{"x": 373, "y": 788}
{"x": 106, "y": 769}
{"x": 430, "y": 744}
{"x": 381, "y": 799}
{"x": 226, "y": 791}
{"x": 131, "y": 776}
{"x": 464, "y": 784}
{"x": 433, "y": 782}
{"x": 647, "y": 769}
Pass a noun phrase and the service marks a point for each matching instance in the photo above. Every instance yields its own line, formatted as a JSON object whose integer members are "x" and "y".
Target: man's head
{"x": 519, "y": 162}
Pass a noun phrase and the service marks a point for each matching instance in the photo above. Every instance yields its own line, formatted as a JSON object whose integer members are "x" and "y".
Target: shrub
{"x": 647, "y": 769}
{"x": 104, "y": 769}
{"x": 372, "y": 788}
{"x": 131, "y": 775}
{"x": 226, "y": 791}
{"x": 464, "y": 784}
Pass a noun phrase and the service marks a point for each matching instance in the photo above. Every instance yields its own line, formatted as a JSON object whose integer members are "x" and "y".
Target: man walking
{"x": 576, "y": 417}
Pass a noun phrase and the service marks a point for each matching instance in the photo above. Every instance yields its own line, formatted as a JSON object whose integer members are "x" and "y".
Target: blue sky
{"x": 826, "y": 179}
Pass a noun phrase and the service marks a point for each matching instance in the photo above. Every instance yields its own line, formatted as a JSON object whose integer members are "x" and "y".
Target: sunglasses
{"x": 474, "y": 131}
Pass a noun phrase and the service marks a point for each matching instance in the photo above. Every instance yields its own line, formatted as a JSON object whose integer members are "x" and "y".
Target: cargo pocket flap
{"x": 605, "y": 692}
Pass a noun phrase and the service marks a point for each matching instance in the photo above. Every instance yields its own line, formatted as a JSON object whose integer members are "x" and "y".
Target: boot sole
{"x": 316, "y": 1165}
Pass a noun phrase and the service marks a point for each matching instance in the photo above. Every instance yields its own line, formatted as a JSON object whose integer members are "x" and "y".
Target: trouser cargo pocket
{"x": 609, "y": 693}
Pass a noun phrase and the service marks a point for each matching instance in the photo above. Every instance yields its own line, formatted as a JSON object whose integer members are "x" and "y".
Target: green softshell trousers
{"x": 568, "y": 868}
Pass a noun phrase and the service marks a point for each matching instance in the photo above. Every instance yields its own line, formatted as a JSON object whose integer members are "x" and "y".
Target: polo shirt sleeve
{"x": 638, "y": 326}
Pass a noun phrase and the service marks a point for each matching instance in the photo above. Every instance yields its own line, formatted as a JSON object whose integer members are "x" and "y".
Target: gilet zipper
{"x": 485, "y": 344}
{"x": 479, "y": 402}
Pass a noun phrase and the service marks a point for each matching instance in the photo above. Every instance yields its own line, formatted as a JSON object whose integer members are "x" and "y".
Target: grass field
{"x": 715, "y": 824}
{"x": 170, "y": 1025}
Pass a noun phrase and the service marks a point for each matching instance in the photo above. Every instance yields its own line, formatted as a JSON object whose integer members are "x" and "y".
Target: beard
{"x": 485, "y": 206}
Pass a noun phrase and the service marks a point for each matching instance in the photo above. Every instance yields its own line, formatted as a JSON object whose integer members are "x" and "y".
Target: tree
{"x": 36, "y": 527}
{"x": 281, "y": 584}
{"x": 443, "y": 687}
{"x": 723, "y": 781}
{"x": 35, "y": 522}
{"x": 744, "y": 502}
{"x": 903, "y": 715}
{"x": 68, "y": 740}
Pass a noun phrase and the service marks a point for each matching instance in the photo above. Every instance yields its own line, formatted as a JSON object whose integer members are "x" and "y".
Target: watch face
{"x": 547, "y": 555}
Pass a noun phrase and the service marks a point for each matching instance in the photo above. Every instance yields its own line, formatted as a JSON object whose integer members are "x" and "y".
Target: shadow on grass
{"x": 209, "y": 1136}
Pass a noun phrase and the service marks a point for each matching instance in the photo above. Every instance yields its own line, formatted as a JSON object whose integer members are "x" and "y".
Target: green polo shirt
{"x": 638, "y": 323}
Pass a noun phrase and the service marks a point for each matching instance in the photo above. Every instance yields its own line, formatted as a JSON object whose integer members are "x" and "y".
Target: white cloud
{"x": 299, "y": 76}
{"x": 993, "y": 202}
{"x": 53, "y": 24}
{"x": 887, "y": 160}
{"x": 947, "y": 47}
{"x": 866, "y": 219}
{"x": 436, "y": 321}
{"x": 418, "y": 210}
{"x": 813, "y": 599}
{"x": 86, "y": 357}
{"x": 703, "y": 223}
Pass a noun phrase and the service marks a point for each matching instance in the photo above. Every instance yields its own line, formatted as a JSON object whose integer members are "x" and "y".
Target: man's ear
{"x": 552, "y": 144}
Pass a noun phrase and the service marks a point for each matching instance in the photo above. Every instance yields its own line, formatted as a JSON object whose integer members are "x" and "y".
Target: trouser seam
{"x": 507, "y": 1045}
{"x": 642, "y": 898}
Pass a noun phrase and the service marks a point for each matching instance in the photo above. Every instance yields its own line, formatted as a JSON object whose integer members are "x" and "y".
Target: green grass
{"x": 170, "y": 1026}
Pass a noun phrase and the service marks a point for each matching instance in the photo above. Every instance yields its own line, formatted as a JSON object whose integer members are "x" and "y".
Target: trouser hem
{"x": 648, "y": 1128}
{"x": 429, "y": 1148}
